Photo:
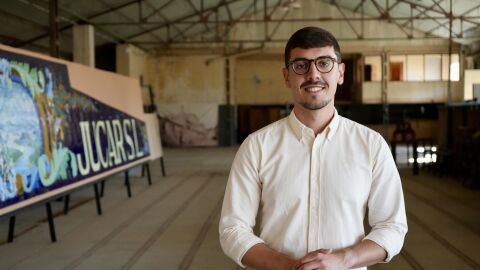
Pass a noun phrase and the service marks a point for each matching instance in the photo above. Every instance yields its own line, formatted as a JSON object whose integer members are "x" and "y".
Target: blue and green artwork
{"x": 52, "y": 135}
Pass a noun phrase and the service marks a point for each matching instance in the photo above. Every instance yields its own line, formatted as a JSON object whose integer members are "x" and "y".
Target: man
{"x": 309, "y": 178}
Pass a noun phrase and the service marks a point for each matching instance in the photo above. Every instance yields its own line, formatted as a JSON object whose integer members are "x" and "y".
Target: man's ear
{"x": 341, "y": 72}
{"x": 285, "y": 76}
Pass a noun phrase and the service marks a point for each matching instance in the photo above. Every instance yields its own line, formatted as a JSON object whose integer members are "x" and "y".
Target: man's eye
{"x": 301, "y": 65}
{"x": 324, "y": 63}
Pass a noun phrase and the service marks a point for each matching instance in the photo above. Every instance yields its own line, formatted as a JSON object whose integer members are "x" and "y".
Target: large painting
{"x": 54, "y": 137}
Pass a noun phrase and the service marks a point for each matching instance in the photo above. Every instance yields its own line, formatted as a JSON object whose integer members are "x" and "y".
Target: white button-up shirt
{"x": 309, "y": 192}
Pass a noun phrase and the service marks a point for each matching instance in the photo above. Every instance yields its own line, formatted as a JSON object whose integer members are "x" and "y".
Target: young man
{"x": 309, "y": 178}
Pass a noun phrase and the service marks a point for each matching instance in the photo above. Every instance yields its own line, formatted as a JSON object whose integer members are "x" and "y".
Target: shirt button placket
{"x": 314, "y": 217}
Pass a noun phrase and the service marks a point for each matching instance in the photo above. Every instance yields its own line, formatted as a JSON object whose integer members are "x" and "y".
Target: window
{"x": 415, "y": 68}
{"x": 423, "y": 67}
{"x": 373, "y": 68}
{"x": 433, "y": 67}
{"x": 397, "y": 67}
{"x": 454, "y": 67}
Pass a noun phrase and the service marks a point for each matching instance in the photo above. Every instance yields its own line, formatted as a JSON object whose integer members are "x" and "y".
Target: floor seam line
{"x": 123, "y": 225}
{"x": 188, "y": 258}
{"x": 411, "y": 260}
{"x": 444, "y": 212}
{"x": 444, "y": 242}
{"x": 141, "y": 251}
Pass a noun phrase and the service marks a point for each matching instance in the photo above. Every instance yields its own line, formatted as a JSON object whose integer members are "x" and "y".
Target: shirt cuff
{"x": 244, "y": 248}
{"x": 389, "y": 245}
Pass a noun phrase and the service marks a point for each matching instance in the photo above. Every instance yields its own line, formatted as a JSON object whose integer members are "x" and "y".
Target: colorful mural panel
{"x": 52, "y": 135}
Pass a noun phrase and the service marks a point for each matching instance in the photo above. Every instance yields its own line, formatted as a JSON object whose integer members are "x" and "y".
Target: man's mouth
{"x": 316, "y": 88}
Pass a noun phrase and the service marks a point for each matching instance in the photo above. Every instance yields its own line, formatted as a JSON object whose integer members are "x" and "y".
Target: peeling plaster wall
{"x": 260, "y": 82}
{"x": 188, "y": 92}
{"x": 187, "y": 79}
{"x": 175, "y": 79}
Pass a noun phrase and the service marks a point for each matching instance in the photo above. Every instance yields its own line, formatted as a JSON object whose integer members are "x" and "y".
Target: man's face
{"x": 313, "y": 90}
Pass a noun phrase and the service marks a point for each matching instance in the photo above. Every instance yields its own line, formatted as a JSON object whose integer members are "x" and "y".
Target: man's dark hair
{"x": 312, "y": 37}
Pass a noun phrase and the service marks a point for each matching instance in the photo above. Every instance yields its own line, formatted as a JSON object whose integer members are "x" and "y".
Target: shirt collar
{"x": 300, "y": 129}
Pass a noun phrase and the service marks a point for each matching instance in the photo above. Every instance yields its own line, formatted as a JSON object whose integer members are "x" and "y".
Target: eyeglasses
{"x": 301, "y": 66}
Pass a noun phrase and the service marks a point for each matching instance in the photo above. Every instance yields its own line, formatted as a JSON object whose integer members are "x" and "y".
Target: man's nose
{"x": 313, "y": 74}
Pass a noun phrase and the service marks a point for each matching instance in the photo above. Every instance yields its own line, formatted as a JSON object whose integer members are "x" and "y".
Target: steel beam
{"x": 199, "y": 12}
{"x": 346, "y": 19}
{"x": 54, "y": 34}
{"x": 275, "y": 28}
{"x": 284, "y": 40}
{"x": 128, "y": 18}
{"x": 165, "y": 19}
{"x": 318, "y": 19}
{"x": 417, "y": 3}
{"x": 155, "y": 11}
{"x": 387, "y": 16}
{"x": 234, "y": 22}
{"x": 180, "y": 19}
{"x": 461, "y": 17}
{"x": 66, "y": 27}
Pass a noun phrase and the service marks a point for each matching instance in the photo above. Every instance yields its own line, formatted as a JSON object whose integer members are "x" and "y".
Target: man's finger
{"x": 325, "y": 250}
{"x": 312, "y": 256}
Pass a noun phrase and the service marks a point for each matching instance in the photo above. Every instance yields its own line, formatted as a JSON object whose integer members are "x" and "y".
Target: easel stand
{"x": 51, "y": 225}
{"x": 162, "y": 164}
{"x": 11, "y": 228}
{"x": 48, "y": 208}
{"x": 127, "y": 184}
{"x": 99, "y": 191}
{"x": 146, "y": 165}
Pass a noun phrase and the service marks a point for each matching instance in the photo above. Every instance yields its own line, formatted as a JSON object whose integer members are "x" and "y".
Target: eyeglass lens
{"x": 323, "y": 64}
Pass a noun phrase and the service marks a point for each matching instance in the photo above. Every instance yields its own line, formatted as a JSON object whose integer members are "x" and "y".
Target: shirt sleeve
{"x": 240, "y": 204}
{"x": 386, "y": 205}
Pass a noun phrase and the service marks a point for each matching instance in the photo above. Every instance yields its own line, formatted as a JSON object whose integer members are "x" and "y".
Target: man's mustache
{"x": 312, "y": 83}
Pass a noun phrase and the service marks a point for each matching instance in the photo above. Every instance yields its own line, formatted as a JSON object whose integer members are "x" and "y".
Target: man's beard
{"x": 314, "y": 107}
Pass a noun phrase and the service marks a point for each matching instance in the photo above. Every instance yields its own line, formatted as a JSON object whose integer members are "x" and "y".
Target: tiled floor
{"x": 173, "y": 223}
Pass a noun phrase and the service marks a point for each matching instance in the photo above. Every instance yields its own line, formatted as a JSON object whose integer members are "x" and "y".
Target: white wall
{"x": 411, "y": 92}
{"x": 472, "y": 76}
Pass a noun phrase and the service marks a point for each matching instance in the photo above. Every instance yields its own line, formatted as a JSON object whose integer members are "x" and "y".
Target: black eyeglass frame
{"x": 291, "y": 62}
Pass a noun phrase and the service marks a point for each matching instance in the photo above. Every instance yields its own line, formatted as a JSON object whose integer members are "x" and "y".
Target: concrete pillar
{"x": 123, "y": 59}
{"x": 131, "y": 61}
{"x": 84, "y": 45}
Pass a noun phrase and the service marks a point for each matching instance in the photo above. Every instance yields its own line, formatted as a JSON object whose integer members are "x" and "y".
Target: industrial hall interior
{"x": 120, "y": 121}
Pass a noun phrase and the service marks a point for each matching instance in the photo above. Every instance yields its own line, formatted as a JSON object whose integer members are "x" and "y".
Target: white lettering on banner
{"x": 98, "y": 143}
{"x": 112, "y": 154}
{"x": 135, "y": 140}
{"x": 117, "y": 133}
{"x": 128, "y": 139}
{"x": 95, "y": 164}
{"x": 84, "y": 167}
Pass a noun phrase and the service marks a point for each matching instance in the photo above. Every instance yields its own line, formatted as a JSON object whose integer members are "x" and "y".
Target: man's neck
{"x": 317, "y": 120}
